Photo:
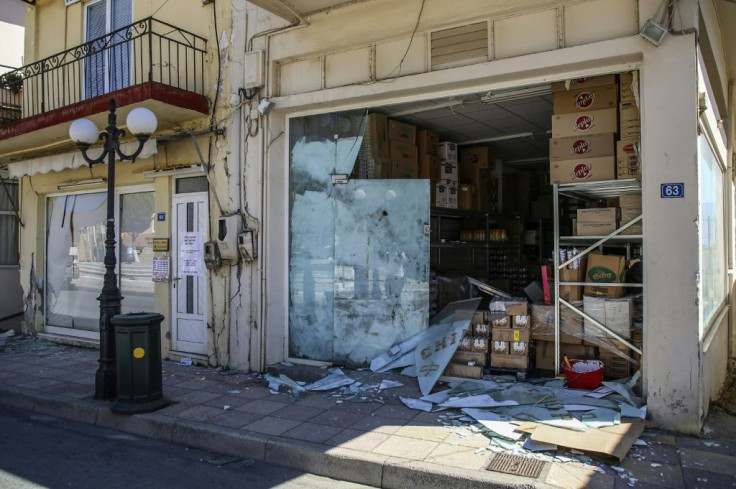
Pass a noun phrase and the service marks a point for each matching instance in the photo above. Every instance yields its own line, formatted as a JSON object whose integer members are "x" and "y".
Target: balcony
{"x": 148, "y": 63}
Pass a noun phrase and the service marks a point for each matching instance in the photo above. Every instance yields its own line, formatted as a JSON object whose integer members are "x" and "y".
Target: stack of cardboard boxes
{"x": 630, "y": 205}
{"x": 472, "y": 352}
{"x": 476, "y": 181}
{"x": 599, "y": 221}
{"x": 510, "y": 334}
{"x": 443, "y": 179}
{"x": 571, "y": 335}
{"x": 402, "y": 139}
{"x": 587, "y": 116}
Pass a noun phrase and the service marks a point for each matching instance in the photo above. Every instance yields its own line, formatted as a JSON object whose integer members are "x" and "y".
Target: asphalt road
{"x": 44, "y": 451}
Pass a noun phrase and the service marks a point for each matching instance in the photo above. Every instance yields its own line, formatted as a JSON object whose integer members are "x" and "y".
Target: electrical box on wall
{"x": 247, "y": 245}
{"x": 212, "y": 259}
{"x": 253, "y": 69}
{"x": 228, "y": 228}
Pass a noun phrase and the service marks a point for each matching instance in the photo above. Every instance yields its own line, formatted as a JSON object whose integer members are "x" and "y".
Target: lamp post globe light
{"x": 142, "y": 123}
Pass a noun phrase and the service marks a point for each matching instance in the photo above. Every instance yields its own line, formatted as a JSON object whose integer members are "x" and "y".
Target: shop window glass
{"x": 8, "y": 225}
{"x": 359, "y": 260}
{"x": 712, "y": 232}
{"x": 75, "y": 251}
{"x": 137, "y": 227}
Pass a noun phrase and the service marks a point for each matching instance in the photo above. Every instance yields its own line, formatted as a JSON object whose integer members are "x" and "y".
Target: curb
{"x": 337, "y": 463}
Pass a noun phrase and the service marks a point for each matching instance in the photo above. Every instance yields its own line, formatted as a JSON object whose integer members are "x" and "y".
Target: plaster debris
{"x": 389, "y": 384}
{"x": 185, "y": 361}
{"x": 416, "y": 404}
{"x": 337, "y": 378}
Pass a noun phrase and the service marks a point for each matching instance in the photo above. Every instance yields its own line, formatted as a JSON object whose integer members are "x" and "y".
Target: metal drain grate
{"x": 515, "y": 465}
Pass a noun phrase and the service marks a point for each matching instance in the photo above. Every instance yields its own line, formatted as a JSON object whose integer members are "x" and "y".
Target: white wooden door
{"x": 189, "y": 291}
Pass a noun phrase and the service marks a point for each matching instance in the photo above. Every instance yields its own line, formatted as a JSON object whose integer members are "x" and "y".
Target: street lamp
{"x": 142, "y": 123}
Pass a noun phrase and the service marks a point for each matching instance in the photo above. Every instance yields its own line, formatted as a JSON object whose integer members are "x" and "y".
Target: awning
{"x": 70, "y": 161}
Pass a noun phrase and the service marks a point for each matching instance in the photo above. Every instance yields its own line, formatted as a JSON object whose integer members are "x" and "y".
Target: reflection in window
{"x": 75, "y": 251}
{"x": 712, "y": 236}
{"x": 137, "y": 220}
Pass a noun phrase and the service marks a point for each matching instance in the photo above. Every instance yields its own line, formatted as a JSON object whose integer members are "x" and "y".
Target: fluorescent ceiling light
{"x": 81, "y": 183}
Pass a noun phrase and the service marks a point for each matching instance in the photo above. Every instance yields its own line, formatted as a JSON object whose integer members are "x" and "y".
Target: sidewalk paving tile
{"x": 361, "y": 408}
{"x": 312, "y": 432}
{"x": 378, "y": 424}
{"x": 424, "y": 432}
{"x": 269, "y": 425}
{"x": 578, "y": 476}
{"x": 411, "y": 448}
{"x": 195, "y": 397}
{"x": 700, "y": 479}
{"x": 664, "y": 475}
{"x": 40, "y": 384}
{"x": 663, "y": 454}
{"x": 364, "y": 441}
{"x": 232, "y": 400}
{"x": 722, "y": 446}
{"x": 712, "y": 462}
{"x": 317, "y": 402}
{"x": 396, "y": 411}
{"x": 463, "y": 457}
{"x": 260, "y": 406}
{"x": 200, "y": 413}
{"x": 297, "y": 413}
{"x": 235, "y": 419}
{"x": 336, "y": 418}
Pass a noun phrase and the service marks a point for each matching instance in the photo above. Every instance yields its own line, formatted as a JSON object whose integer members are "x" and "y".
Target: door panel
{"x": 189, "y": 324}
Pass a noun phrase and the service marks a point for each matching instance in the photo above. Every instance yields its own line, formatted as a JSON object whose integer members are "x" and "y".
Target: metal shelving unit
{"x": 590, "y": 191}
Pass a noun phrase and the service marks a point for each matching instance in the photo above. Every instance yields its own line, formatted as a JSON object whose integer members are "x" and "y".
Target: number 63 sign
{"x": 672, "y": 190}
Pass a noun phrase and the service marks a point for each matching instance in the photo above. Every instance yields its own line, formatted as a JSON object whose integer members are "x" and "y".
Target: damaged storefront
{"x": 474, "y": 187}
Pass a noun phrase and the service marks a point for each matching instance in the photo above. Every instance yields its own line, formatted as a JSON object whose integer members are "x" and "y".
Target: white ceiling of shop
{"x": 515, "y": 123}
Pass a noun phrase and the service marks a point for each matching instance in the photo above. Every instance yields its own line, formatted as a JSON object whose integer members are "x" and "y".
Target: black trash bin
{"x": 138, "y": 352}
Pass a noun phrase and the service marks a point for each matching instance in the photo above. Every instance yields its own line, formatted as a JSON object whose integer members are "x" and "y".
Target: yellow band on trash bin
{"x": 139, "y": 353}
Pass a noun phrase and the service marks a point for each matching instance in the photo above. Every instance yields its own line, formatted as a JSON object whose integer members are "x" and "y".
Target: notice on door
{"x": 161, "y": 268}
{"x": 190, "y": 254}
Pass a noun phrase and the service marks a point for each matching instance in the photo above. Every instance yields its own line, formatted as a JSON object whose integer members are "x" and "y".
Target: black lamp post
{"x": 142, "y": 123}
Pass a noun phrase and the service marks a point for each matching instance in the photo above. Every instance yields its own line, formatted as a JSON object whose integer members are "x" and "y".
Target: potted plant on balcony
{"x": 12, "y": 81}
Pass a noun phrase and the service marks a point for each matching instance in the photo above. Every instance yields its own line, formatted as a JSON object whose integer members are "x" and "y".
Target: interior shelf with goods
{"x": 607, "y": 264}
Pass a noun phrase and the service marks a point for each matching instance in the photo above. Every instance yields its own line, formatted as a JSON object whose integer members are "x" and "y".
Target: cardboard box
{"x": 376, "y": 135}
{"x": 585, "y": 123}
{"x": 585, "y": 170}
{"x": 572, "y": 292}
{"x": 481, "y": 317}
{"x": 545, "y": 355}
{"x": 500, "y": 360}
{"x": 602, "y": 270}
{"x": 583, "y": 82}
{"x": 630, "y": 131}
{"x": 402, "y": 132}
{"x": 479, "y": 344}
{"x": 500, "y": 321}
{"x": 628, "y": 114}
{"x": 595, "y": 228}
{"x": 464, "y": 371}
{"x": 466, "y": 199}
{"x": 586, "y": 98}
{"x": 429, "y": 167}
{"x": 626, "y": 83}
{"x": 511, "y": 307}
{"x": 519, "y": 348}
{"x": 614, "y": 366}
{"x": 403, "y": 160}
{"x": 466, "y": 343}
{"x": 598, "y": 214}
{"x": 499, "y": 347}
{"x": 629, "y": 214}
{"x": 473, "y": 159}
{"x": 428, "y": 142}
{"x": 588, "y": 146}
{"x": 511, "y": 334}
{"x": 378, "y": 168}
{"x": 520, "y": 321}
{"x": 445, "y": 194}
{"x": 470, "y": 357}
{"x": 482, "y": 329}
{"x": 486, "y": 191}
{"x": 448, "y": 151}
{"x": 629, "y": 201}
{"x": 543, "y": 323}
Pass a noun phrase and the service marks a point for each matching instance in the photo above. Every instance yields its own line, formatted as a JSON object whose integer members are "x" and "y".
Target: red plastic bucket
{"x": 583, "y": 380}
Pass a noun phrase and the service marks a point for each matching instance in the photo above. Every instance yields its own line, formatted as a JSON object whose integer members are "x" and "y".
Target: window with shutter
{"x": 107, "y": 68}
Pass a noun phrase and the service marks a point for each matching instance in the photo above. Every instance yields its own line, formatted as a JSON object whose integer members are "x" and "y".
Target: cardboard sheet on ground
{"x": 438, "y": 345}
{"x": 611, "y": 442}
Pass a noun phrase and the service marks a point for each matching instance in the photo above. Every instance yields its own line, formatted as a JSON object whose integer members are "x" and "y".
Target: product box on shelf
{"x": 479, "y": 344}
{"x": 615, "y": 366}
{"x": 499, "y": 346}
{"x": 429, "y": 166}
{"x": 627, "y": 162}
{"x": 598, "y": 214}
{"x": 586, "y": 98}
{"x": 614, "y": 313}
{"x": 404, "y": 160}
{"x": 583, "y": 82}
{"x": 402, "y": 132}
{"x": 578, "y": 147}
{"x": 473, "y": 159}
{"x": 631, "y": 200}
{"x": 513, "y": 306}
{"x": 595, "y": 228}
{"x": 520, "y": 321}
{"x": 585, "y": 123}
{"x": 466, "y": 199}
{"x": 501, "y": 360}
{"x": 500, "y": 320}
{"x": 376, "y": 137}
{"x": 448, "y": 151}
{"x": 445, "y": 194}
{"x": 482, "y": 329}
{"x": 583, "y": 170}
{"x": 627, "y": 81}
{"x": 628, "y": 114}
{"x": 543, "y": 323}
{"x": 428, "y": 142}
{"x": 602, "y": 270}
{"x": 545, "y": 354}
{"x": 572, "y": 292}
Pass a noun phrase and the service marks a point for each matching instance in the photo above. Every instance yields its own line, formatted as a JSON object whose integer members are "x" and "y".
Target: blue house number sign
{"x": 672, "y": 190}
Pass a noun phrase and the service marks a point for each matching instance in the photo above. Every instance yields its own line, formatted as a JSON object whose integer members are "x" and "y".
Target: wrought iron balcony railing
{"x": 148, "y": 50}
